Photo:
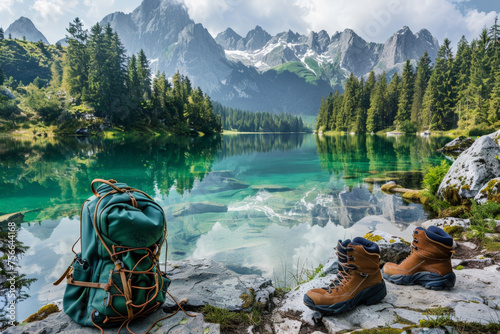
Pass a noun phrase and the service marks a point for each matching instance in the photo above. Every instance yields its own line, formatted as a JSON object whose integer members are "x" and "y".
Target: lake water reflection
{"x": 267, "y": 204}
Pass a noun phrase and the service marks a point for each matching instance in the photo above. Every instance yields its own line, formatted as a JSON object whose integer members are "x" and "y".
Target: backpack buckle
{"x": 118, "y": 265}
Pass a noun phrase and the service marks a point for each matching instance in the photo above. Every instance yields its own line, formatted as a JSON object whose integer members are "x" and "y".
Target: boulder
{"x": 82, "y": 132}
{"x": 392, "y": 248}
{"x": 495, "y": 136}
{"x": 7, "y": 93}
{"x": 471, "y": 171}
{"x": 457, "y": 145}
{"x": 449, "y": 221}
{"x": 205, "y": 281}
{"x": 489, "y": 192}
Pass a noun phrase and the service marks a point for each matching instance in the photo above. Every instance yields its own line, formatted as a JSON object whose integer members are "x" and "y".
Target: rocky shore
{"x": 475, "y": 298}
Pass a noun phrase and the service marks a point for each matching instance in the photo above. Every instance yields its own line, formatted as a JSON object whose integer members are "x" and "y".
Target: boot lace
{"x": 343, "y": 275}
{"x": 413, "y": 248}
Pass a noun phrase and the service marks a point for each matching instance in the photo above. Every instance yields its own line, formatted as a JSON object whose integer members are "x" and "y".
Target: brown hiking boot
{"x": 361, "y": 281}
{"x": 429, "y": 263}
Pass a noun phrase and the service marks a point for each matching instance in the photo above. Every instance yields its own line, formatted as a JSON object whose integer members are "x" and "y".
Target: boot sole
{"x": 368, "y": 296}
{"x": 427, "y": 279}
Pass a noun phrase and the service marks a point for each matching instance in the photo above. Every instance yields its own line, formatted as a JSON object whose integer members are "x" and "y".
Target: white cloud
{"x": 51, "y": 10}
{"x": 5, "y": 6}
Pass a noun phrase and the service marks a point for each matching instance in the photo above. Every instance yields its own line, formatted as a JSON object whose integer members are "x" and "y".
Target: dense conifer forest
{"x": 459, "y": 90}
{"x": 93, "y": 83}
{"x": 249, "y": 121}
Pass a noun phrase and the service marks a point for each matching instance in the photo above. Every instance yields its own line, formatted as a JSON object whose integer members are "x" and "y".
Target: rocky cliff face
{"x": 153, "y": 26}
{"x": 405, "y": 45}
{"x": 23, "y": 27}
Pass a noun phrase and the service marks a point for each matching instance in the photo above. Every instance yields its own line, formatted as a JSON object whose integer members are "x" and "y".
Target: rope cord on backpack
{"x": 120, "y": 279}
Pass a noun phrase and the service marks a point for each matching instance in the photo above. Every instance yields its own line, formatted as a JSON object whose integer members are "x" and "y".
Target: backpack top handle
{"x": 108, "y": 182}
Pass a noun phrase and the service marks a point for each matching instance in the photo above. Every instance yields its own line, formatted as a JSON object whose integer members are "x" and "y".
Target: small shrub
{"x": 408, "y": 127}
{"x": 435, "y": 176}
{"x": 481, "y": 129}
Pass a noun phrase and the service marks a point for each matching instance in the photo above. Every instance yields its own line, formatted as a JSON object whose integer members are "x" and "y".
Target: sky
{"x": 374, "y": 20}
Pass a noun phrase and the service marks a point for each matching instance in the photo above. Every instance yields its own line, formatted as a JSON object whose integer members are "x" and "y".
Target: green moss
{"x": 387, "y": 330}
{"x": 372, "y": 237}
{"x": 412, "y": 196}
{"x": 392, "y": 241}
{"x": 42, "y": 313}
{"x": 466, "y": 187}
{"x": 460, "y": 267}
{"x": 451, "y": 195}
{"x": 388, "y": 186}
{"x": 454, "y": 230}
{"x": 491, "y": 244}
{"x": 438, "y": 311}
{"x": 492, "y": 191}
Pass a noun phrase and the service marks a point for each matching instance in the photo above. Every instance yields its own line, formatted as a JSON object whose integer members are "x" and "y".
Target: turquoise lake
{"x": 271, "y": 204}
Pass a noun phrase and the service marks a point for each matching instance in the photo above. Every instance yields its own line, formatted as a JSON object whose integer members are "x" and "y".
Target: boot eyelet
{"x": 350, "y": 249}
{"x": 415, "y": 240}
{"x": 351, "y": 258}
{"x": 363, "y": 275}
{"x": 415, "y": 232}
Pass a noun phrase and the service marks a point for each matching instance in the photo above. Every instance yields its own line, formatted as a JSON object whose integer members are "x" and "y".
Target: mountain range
{"x": 288, "y": 72}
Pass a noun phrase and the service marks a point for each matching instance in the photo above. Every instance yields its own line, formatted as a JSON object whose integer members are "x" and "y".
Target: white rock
{"x": 468, "y": 244}
{"x": 472, "y": 169}
{"x": 482, "y": 195}
{"x": 449, "y": 221}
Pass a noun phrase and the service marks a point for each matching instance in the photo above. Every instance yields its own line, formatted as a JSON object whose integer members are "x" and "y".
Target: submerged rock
{"x": 457, "y": 145}
{"x": 272, "y": 188}
{"x": 471, "y": 171}
{"x": 186, "y": 209}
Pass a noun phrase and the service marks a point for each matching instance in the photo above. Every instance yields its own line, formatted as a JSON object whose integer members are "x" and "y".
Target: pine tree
{"x": 440, "y": 99}
{"x": 424, "y": 71}
{"x": 479, "y": 87}
{"x": 348, "y": 117}
{"x": 77, "y": 60}
{"x": 1, "y": 34}
{"x": 144, "y": 75}
{"x": 133, "y": 79}
{"x": 2, "y": 77}
{"x": 323, "y": 116}
{"x": 378, "y": 105}
{"x": 405, "y": 95}
{"x": 391, "y": 98}
{"x": 461, "y": 68}
{"x": 494, "y": 111}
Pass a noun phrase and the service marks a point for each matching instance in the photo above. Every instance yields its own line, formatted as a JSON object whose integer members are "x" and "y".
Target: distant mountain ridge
{"x": 288, "y": 72}
{"x": 344, "y": 49}
{"x": 23, "y": 27}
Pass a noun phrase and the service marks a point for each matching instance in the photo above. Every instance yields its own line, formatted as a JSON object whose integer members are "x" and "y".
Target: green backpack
{"x": 116, "y": 277}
